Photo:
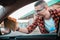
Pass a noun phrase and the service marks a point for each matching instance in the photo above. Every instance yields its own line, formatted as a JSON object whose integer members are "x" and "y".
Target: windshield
{"x": 24, "y": 17}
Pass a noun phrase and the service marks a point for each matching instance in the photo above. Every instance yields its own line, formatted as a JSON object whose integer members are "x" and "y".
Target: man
{"x": 46, "y": 19}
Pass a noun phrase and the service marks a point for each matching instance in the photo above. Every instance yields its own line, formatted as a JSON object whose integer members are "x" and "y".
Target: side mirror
{"x": 2, "y": 12}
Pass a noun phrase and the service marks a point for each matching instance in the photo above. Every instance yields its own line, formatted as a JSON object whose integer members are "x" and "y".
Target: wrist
{"x": 18, "y": 29}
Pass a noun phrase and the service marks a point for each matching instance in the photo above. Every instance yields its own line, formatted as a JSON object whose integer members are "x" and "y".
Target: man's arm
{"x": 12, "y": 24}
{"x": 29, "y": 28}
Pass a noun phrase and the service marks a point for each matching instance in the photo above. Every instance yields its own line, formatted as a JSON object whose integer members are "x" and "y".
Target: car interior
{"x": 12, "y": 8}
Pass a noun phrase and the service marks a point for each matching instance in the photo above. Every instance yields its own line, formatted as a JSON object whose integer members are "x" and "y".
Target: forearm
{"x": 29, "y": 28}
{"x": 23, "y": 30}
